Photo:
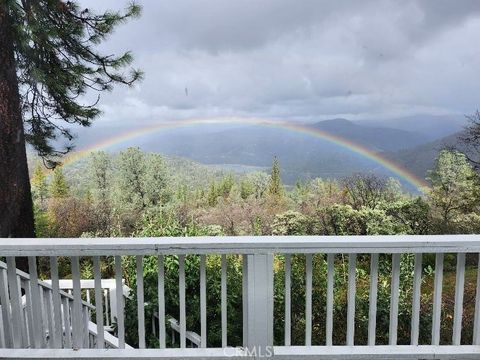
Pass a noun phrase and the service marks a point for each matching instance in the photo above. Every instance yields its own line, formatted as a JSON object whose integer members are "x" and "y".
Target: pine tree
{"x": 48, "y": 61}
{"x": 275, "y": 186}
{"x": 39, "y": 186}
{"x": 59, "y": 187}
{"x": 212, "y": 198}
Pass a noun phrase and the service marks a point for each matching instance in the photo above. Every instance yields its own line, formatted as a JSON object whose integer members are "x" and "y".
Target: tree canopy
{"x": 55, "y": 44}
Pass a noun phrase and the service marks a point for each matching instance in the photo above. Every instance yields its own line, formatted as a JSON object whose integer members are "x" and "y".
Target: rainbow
{"x": 356, "y": 148}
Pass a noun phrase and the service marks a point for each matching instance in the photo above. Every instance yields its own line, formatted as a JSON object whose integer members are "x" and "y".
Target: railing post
{"x": 258, "y": 305}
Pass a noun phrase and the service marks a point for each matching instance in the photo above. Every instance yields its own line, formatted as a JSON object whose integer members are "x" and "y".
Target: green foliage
{"x": 275, "y": 186}
{"x": 289, "y": 223}
{"x": 454, "y": 191}
{"x": 157, "y": 223}
{"x": 57, "y": 61}
{"x": 412, "y": 214}
{"x": 345, "y": 220}
{"x": 39, "y": 186}
{"x": 100, "y": 173}
{"x": 213, "y": 273}
{"x": 59, "y": 187}
{"x": 226, "y": 186}
{"x": 131, "y": 167}
{"x": 246, "y": 188}
{"x": 141, "y": 180}
{"x": 41, "y": 223}
{"x": 259, "y": 181}
{"x": 213, "y": 194}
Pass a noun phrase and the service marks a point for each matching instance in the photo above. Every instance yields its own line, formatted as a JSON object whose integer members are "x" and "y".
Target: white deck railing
{"x": 257, "y": 293}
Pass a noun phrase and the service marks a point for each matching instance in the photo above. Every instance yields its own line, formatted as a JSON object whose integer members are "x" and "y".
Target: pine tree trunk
{"x": 16, "y": 209}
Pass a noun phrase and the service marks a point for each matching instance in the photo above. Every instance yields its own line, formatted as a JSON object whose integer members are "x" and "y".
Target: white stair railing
{"x": 55, "y": 316}
{"x": 109, "y": 288}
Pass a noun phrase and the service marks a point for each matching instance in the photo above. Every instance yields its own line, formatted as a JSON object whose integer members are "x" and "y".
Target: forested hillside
{"x": 146, "y": 194}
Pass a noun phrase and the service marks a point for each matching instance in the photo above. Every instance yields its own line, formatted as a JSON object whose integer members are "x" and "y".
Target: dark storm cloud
{"x": 299, "y": 60}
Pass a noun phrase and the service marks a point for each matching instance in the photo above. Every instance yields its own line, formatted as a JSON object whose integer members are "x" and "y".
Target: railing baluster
{"x": 288, "y": 304}
{"x": 86, "y": 332}
{"x": 44, "y": 318}
{"x": 6, "y": 315}
{"x": 47, "y": 298}
{"x": 28, "y": 313}
{"x": 77, "y": 304}
{"x": 57, "y": 311}
{"x": 372, "y": 307}
{"x": 181, "y": 276}
{"x": 224, "y": 300}
{"x": 459, "y": 289}
{"x": 161, "y": 302}
{"x": 308, "y": 300}
{"x": 119, "y": 301}
{"x": 22, "y": 314}
{"x": 476, "y": 324}
{"x": 203, "y": 302}
{"x": 39, "y": 339}
{"x": 417, "y": 283}
{"x": 140, "y": 303}
{"x": 15, "y": 302}
{"x": 352, "y": 265}
{"x": 98, "y": 302}
{"x": 395, "y": 287}
{"x": 330, "y": 282}
{"x": 437, "y": 298}
{"x": 66, "y": 323}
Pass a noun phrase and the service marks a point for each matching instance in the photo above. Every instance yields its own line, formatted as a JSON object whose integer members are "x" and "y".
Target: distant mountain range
{"x": 430, "y": 126}
{"x": 421, "y": 159}
{"x": 413, "y": 142}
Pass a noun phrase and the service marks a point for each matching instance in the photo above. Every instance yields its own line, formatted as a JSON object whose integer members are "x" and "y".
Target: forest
{"x": 133, "y": 193}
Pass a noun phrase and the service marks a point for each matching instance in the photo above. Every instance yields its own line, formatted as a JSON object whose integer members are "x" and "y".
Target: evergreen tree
{"x": 213, "y": 194}
{"x": 59, "y": 187}
{"x": 275, "y": 186}
{"x": 39, "y": 186}
{"x": 48, "y": 60}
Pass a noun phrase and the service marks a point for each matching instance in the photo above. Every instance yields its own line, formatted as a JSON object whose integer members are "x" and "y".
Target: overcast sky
{"x": 297, "y": 59}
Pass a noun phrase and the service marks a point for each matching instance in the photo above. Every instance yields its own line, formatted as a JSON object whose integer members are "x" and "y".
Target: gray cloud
{"x": 298, "y": 60}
